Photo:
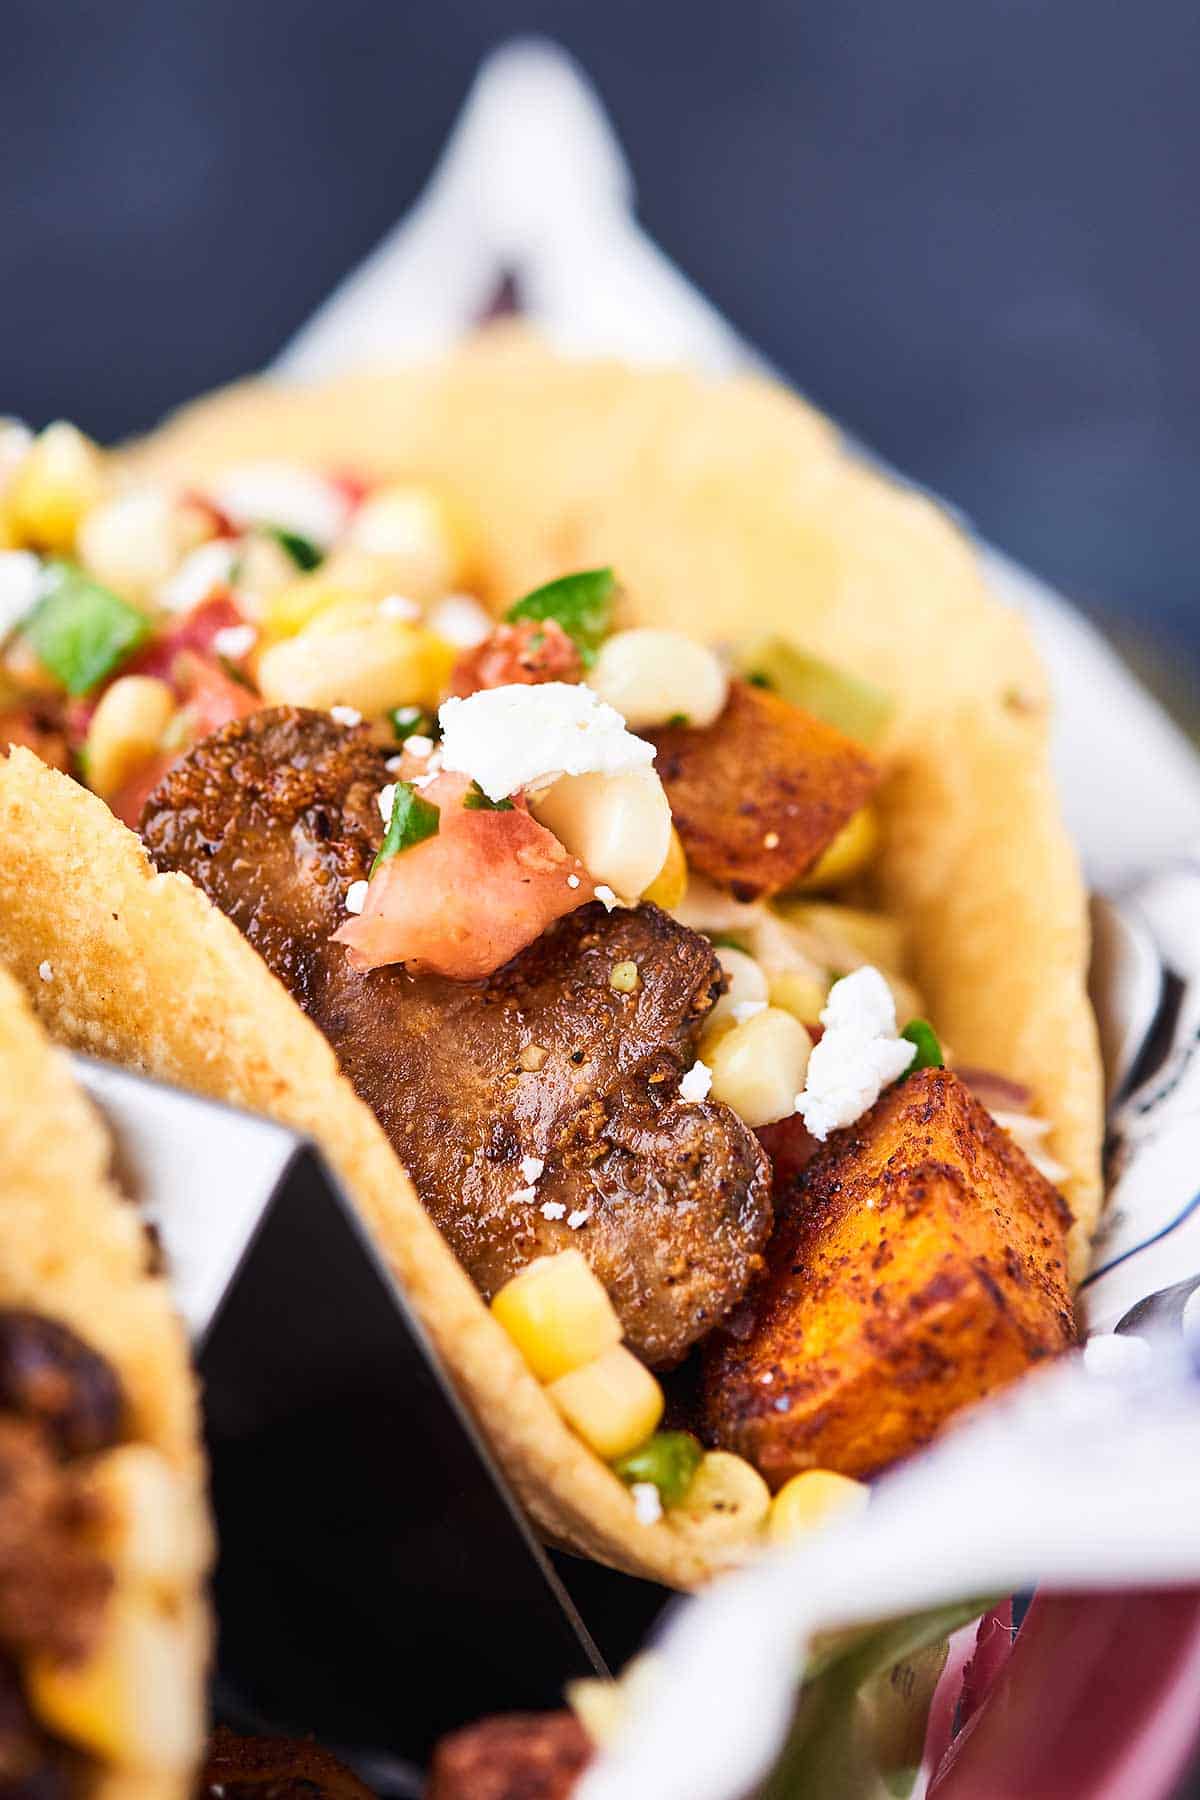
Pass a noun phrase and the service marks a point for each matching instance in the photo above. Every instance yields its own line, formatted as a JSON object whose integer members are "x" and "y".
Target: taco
{"x": 104, "y": 1538}
{"x": 688, "y": 902}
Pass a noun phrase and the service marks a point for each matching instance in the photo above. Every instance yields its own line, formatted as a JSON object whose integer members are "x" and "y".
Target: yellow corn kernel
{"x": 670, "y": 884}
{"x": 652, "y": 676}
{"x": 135, "y": 1699}
{"x": 810, "y": 1499}
{"x": 264, "y": 570}
{"x": 725, "y": 1507}
{"x": 558, "y": 1314}
{"x": 145, "y": 1522}
{"x": 131, "y": 542}
{"x": 424, "y": 533}
{"x": 8, "y": 536}
{"x": 797, "y": 992}
{"x": 758, "y": 1066}
{"x": 372, "y": 666}
{"x": 619, "y": 826}
{"x": 126, "y": 729}
{"x": 614, "y": 1402}
{"x": 60, "y": 479}
{"x": 849, "y": 853}
{"x": 747, "y": 987}
{"x": 287, "y": 610}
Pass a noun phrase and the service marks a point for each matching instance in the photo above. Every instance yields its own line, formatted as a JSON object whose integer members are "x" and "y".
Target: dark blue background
{"x": 968, "y": 227}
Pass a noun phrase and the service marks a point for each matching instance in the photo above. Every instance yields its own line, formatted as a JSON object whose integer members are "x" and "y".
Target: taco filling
{"x": 584, "y": 909}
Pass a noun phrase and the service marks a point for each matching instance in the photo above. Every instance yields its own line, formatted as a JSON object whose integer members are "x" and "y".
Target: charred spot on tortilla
{"x": 274, "y": 817}
{"x": 759, "y": 796}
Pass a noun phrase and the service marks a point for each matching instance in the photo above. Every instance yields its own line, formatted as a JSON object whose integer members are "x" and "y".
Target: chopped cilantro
{"x": 759, "y": 680}
{"x": 477, "y": 801}
{"x": 303, "y": 552}
{"x": 929, "y": 1050}
{"x": 582, "y": 604}
{"x": 669, "y": 1459}
{"x": 81, "y": 631}
{"x": 412, "y": 821}
{"x": 679, "y": 719}
{"x": 413, "y": 721}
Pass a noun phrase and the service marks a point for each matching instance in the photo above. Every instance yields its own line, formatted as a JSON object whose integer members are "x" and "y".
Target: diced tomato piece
{"x": 222, "y": 525}
{"x": 789, "y": 1145}
{"x": 465, "y": 901}
{"x": 522, "y": 654}
{"x": 354, "y": 487}
{"x": 212, "y": 697}
{"x": 129, "y": 799}
{"x": 195, "y": 630}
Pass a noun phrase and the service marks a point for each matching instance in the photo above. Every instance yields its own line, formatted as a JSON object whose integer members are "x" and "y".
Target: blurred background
{"x": 969, "y": 232}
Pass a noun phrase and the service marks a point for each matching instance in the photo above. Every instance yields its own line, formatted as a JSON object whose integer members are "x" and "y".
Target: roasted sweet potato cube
{"x": 758, "y": 796}
{"x": 918, "y": 1263}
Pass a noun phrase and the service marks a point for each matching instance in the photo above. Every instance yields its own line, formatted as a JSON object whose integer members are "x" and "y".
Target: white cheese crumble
{"x": 208, "y": 567}
{"x": 356, "y": 896}
{"x": 746, "y": 1009}
{"x": 345, "y": 715}
{"x": 461, "y": 621}
{"x": 857, "y": 1056}
{"x": 532, "y": 1167}
{"x": 394, "y": 764}
{"x": 553, "y": 1209}
{"x": 572, "y": 881}
{"x": 20, "y": 587}
{"x": 580, "y": 1217}
{"x": 606, "y": 897}
{"x": 283, "y": 494}
{"x": 419, "y": 746}
{"x": 46, "y": 971}
{"x": 234, "y": 641}
{"x": 514, "y": 737}
{"x": 697, "y": 1083}
{"x": 399, "y": 606}
{"x": 647, "y": 1502}
{"x": 386, "y": 798}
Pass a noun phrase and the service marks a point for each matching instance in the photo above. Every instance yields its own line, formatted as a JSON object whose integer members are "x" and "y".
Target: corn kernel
{"x": 60, "y": 479}
{"x": 614, "y": 1403}
{"x": 758, "y": 1066}
{"x": 422, "y": 531}
{"x": 655, "y": 677}
{"x": 619, "y": 826}
{"x": 135, "y": 1698}
{"x": 747, "y": 988}
{"x": 131, "y": 542}
{"x": 144, "y": 1524}
{"x": 849, "y": 853}
{"x": 557, "y": 1314}
{"x": 126, "y": 729}
{"x": 725, "y": 1507}
{"x": 286, "y": 610}
{"x": 623, "y": 977}
{"x": 670, "y": 884}
{"x": 797, "y": 992}
{"x": 373, "y": 667}
{"x": 810, "y": 1499}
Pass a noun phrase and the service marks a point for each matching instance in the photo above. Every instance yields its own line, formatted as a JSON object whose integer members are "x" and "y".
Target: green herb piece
{"x": 725, "y": 940}
{"x": 81, "y": 631}
{"x": 852, "y": 705}
{"x": 929, "y": 1050}
{"x": 412, "y": 821}
{"x": 412, "y": 721}
{"x": 669, "y": 1459}
{"x": 303, "y": 552}
{"x": 236, "y": 673}
{"x": 477, "y": 801}
{"x": 582, "y": 604}
{"x": 679, "y": 719}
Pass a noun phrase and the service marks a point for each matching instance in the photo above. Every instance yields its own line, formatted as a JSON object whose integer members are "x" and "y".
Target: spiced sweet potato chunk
{"x": 918, "y": 1263}
{"x": 759, "y": 796}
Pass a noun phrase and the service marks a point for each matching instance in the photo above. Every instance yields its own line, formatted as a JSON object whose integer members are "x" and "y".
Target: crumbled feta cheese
{"x": 356, "y": 896}
{"x": 208, "y": 567}
{"x": 345, "y": 715}
{"x": 514, "y": 737}
{"x": 572, "y": 881}
{"x": 394, "y": 764}
{"x": 697, "y": 1083}
{"x": 399, "y": 606}
{"x": 46, "y": 971}
{"x": 579, "y": 1217}
{"x": 524, "y": 1195}
{"x": 606, "y": 897}
{"x": 461, "y": 621}
{"x": 234, "y": 641}
{"x": 532, "y": 1167}
{"x": 647, "y": 1502}
{"x": 423, "y": 781}
{"x": 553, "y": 1209}
{"x": 419, "y": 746}
{"x": 746, "y": 1009}
{"x": 857, "y": 1056}
{"x": 386, "y": 798}
{"x": 771, "y": 841}
{"x": 282, "y": 494}
{"x": 20, "y": 587}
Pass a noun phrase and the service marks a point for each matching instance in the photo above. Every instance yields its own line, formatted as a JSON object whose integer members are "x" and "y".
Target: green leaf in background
{"x": 841, "y": 699}
{"x": 860, "y": 1722}
{"x": 81, "y": 631}
{"x": 412, "y": 821}
{"x": 303, "y": 552}
{"x": 582, "y": 604}
{"x": 929, "y": 1050}
{"x": 669, "y": 1460}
